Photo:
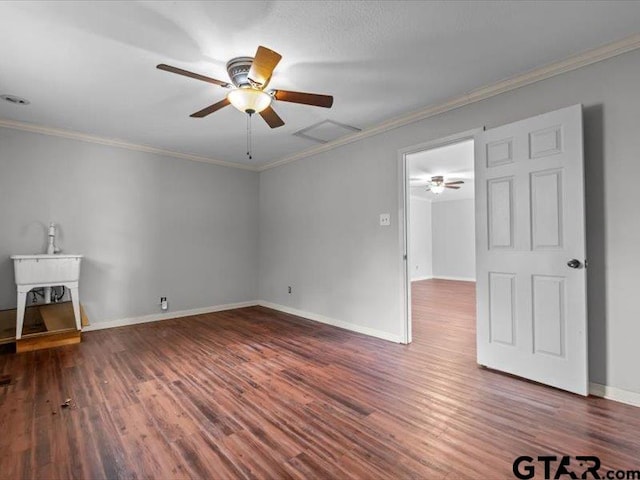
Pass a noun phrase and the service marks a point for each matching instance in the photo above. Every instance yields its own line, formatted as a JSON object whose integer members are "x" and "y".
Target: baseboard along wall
{"x": 458, "y": 279}
{"x": 156, "y": 317}
{"x": 615, "y": 394}
{"x": 332, "y": 321}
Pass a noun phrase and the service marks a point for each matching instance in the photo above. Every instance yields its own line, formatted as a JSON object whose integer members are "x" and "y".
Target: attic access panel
{"x": 326, "y": 131}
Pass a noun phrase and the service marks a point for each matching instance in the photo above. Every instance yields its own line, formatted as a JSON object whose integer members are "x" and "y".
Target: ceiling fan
{"x": 437, "y": 184}
{"x": 249, "y": 79}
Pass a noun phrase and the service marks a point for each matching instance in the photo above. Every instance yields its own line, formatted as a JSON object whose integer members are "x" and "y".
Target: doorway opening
{"x": 530, "y": 316}
{"x": 440, "y": 267}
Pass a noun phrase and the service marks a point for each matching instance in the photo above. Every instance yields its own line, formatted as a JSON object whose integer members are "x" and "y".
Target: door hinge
{"x": 404, "y": 257}
{"x": 586, "y": 264}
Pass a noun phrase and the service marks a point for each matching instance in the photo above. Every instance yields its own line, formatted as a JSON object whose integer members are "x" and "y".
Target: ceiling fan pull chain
{"x": 249, "y": 143}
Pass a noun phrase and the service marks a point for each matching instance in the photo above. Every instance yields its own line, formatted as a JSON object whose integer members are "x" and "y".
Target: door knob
{"x": 574, "y": 263}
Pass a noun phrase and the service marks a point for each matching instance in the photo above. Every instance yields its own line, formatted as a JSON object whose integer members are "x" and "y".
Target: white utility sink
{"x": 54, "y": 269}
{"x": 46, "y": 270}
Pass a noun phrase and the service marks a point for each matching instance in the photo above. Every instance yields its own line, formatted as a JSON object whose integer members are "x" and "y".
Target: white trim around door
{"x": 403, "y": 214}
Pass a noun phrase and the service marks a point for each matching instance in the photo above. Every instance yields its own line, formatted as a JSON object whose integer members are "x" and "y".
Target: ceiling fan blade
{"x": 271, "y": 117}
{"x": 451, "y": 186}
{"x": 263, "y": 65}
{"x": 314, "y": 99}
{"x": 210, "y": 109}
{"x": 457, "y": 182}
{"x": 197, "y": 76}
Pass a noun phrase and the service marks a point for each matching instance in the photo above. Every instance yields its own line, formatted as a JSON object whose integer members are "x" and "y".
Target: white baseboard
{"x": 616, "y": 394}
{"x": 459, "y": 279}
{"x": 419, "y": 279}
{"x": 156, "y": 317}
{"x": 332, "y": 321}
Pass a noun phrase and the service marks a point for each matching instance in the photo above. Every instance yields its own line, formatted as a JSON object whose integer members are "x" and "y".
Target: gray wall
{"x": 454, "y": 248}
{"x": 148, "y": 225}
{"x": 320, "y": 233}
{"x": 420, "y": 241}
{"x": 319, "y": 216}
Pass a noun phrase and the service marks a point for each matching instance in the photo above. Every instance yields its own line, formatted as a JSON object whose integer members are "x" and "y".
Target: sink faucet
{"x": 51, "y": 247}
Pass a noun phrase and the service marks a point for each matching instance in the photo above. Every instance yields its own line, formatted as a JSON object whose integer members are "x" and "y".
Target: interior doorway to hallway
{"x": 440, "y": 233}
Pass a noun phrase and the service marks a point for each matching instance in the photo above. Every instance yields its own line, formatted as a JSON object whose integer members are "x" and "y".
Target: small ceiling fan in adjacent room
{"x": 249, "y": 79}
{"x": 437, "y": 185}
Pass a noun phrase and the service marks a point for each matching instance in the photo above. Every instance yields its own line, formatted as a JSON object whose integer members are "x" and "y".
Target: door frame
{"x": 404, "y": 216}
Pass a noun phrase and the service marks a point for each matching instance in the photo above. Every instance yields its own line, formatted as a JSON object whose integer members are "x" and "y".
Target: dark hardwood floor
{"x": 254, "y": 393}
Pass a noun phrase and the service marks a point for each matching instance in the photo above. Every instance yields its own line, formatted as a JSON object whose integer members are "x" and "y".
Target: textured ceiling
{"x": 90, "y": 67}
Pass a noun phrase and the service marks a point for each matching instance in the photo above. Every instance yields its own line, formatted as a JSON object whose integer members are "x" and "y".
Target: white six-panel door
{"x": 531, "y": 305}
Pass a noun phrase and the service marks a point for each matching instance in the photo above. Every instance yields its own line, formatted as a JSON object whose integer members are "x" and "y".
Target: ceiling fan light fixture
{"x": 249, "y": 100}
{"x": 438, "y": 188}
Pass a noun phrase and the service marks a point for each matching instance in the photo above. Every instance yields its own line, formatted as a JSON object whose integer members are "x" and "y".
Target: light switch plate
{"x": 385, "y": 219}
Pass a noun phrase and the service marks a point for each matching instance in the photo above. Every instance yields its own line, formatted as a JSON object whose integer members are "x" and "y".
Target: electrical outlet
{"x": 289, "y": 289}
{"x": 385, "y": 219}
{"x": 164, "y": 305}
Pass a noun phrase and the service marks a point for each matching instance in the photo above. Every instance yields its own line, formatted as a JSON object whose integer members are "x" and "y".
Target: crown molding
{"x": 113, "y": 142}
{"x": 574, "y": 62}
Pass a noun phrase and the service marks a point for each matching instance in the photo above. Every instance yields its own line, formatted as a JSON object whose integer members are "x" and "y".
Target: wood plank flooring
{"x": 253, "y": 393}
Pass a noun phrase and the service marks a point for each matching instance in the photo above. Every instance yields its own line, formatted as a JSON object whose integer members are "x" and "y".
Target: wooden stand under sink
{"x": 46, "y": 326}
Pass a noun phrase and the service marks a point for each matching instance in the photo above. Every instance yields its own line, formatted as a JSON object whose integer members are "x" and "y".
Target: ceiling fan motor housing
{"x": 238, "y": 70}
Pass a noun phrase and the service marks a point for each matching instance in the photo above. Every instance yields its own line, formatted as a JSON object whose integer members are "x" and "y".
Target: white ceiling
{"x": 90, "y": 66}
{"x": 453, "y": 162}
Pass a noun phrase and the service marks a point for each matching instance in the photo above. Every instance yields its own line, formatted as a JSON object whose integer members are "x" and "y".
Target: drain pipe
{"x": 51, "y": 249}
